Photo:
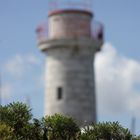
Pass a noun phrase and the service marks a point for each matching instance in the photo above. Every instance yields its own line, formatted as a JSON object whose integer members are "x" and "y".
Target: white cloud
{"x": 20, "y": 64}
{"x": 32, "y": 59}
{"x": 20, "y": 74}
{"x": 116, "y": 80}
{"x": 6, "y": 91}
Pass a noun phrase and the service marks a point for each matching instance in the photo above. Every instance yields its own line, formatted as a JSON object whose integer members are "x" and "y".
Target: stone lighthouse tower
{"x": 70, "y": 42}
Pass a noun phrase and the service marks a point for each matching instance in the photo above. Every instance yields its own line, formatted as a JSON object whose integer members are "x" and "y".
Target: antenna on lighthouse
{"x": 56, "y": 5}
{"x": 27, "y": 100}
{"x": 133, "y": 125}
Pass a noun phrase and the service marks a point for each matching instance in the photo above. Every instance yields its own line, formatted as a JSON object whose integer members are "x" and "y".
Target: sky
{"x": 117, "y": 66}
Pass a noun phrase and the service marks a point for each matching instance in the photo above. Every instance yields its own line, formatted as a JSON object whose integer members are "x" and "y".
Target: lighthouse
{"x": 70, "y": 40}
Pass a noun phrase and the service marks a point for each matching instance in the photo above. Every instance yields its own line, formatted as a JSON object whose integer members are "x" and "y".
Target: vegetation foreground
{"x": 17, "y": 123}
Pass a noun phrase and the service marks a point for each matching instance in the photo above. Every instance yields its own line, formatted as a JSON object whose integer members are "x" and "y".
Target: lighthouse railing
{"x": 54, "y": 5}
{"x": 97, "y": 31}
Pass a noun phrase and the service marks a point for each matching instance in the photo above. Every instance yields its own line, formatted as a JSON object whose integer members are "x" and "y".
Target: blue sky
{"x": 22, "y": 64}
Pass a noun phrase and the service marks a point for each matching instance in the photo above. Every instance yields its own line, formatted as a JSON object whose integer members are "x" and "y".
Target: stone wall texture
{"x": 71, "y": 68}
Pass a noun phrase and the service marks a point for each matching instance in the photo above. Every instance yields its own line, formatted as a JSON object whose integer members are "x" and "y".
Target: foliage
{"x": 36, "y": 130}
{"x": 16, "y": 123}
{"x": 106, "y": 131}
{"x": 6, "y": 132}
{"x": 17, "y": 116}
{"x": 137, "y": 138}
{"x": 61, "y": 128}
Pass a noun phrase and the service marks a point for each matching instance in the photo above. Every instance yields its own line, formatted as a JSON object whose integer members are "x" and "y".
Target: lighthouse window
{"x": 100, "y": 35}
{"x": 59, "y": 93}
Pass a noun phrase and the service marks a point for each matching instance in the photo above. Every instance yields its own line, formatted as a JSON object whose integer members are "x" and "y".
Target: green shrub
{"x": 16, "y": 123}
{"x": 17, "y": 116}
{"x": 6, "y": 132}
{"x": 61, "y": 128}
{"x": 106, "y": 131}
